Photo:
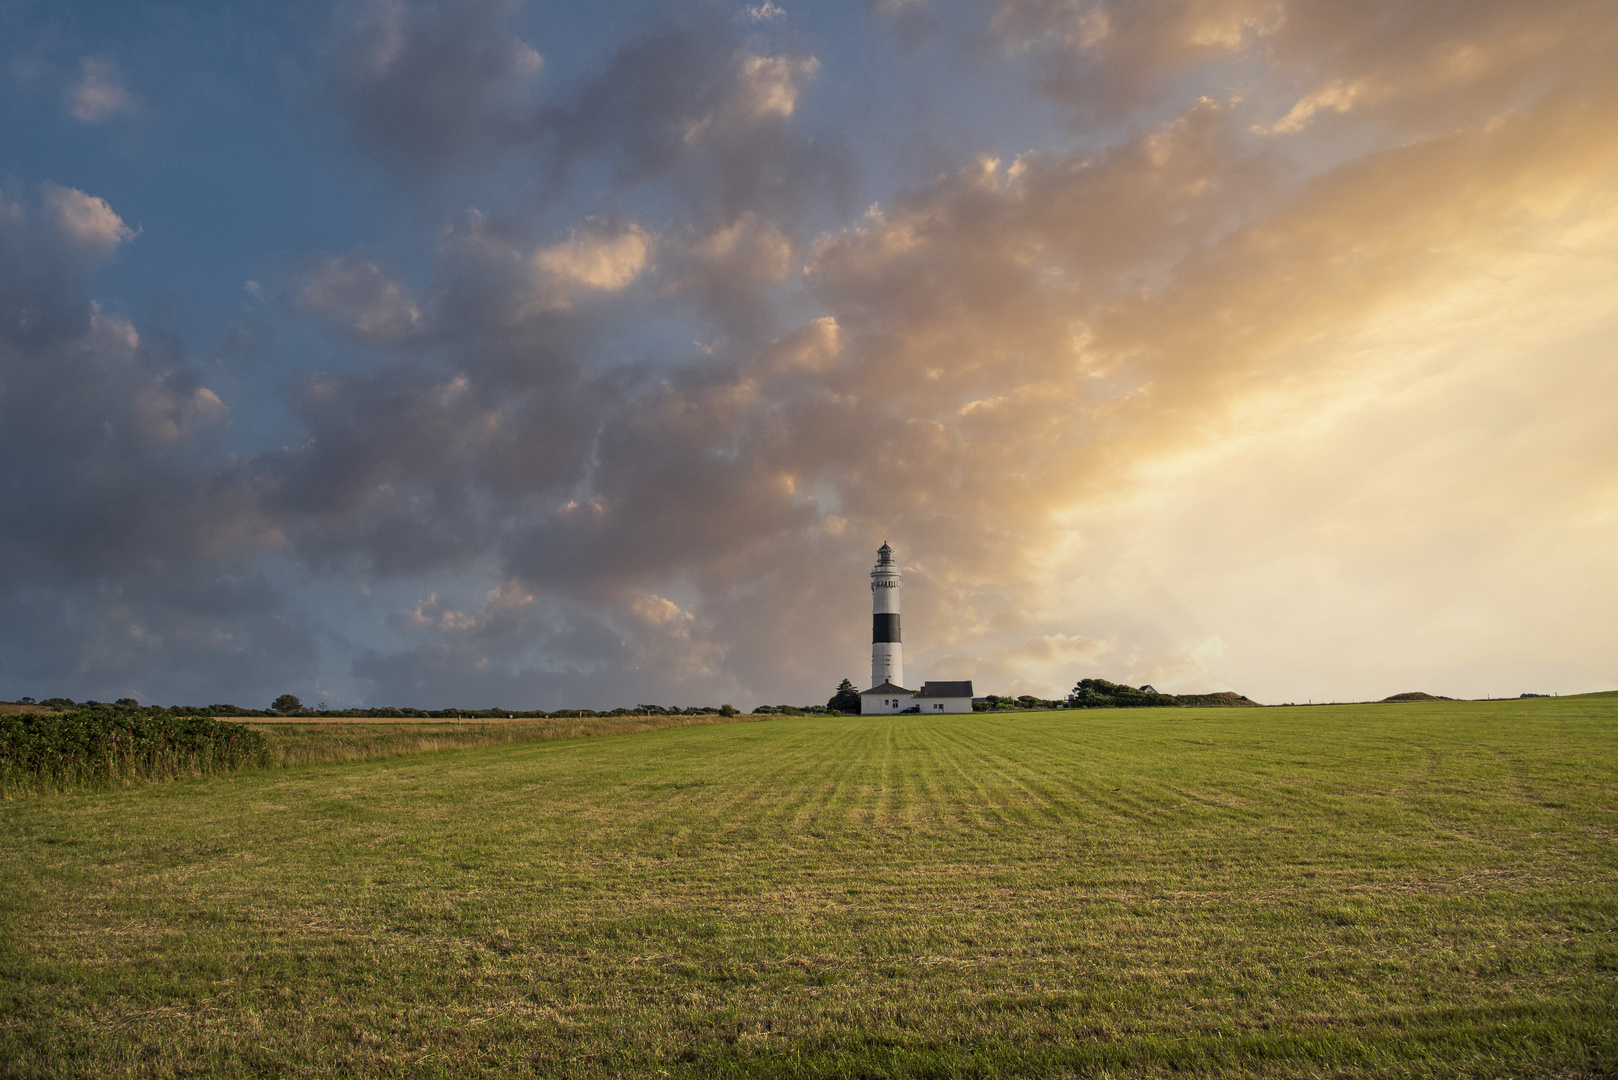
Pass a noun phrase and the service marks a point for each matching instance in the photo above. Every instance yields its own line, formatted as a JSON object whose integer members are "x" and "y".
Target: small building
{"x": 945, "y": 697}
{"x": 885, "y": 697}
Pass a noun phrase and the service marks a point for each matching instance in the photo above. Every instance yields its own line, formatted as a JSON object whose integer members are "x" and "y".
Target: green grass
{"x": 1399, "y": 890}
{"x": 348, "y": 740}
{"x": 94, "y": 750}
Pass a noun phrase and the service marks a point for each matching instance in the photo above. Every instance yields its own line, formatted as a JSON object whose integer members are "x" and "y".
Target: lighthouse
{"x": 887, "y": 694}
{"x": 887, "y": 652}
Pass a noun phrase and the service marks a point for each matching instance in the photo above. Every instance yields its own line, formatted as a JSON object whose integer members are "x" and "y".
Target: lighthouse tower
{"x": 887, "y": 653}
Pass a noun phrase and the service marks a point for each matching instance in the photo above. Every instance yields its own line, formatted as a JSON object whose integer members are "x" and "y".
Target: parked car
{"x": 913, "y": 708}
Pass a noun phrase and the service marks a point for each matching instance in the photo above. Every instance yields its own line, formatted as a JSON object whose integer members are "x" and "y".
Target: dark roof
{"x": 887, "y": 688}
{"x": 962, "y": 688}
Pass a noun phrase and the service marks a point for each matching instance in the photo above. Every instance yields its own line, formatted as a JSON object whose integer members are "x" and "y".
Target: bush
{"x": 1101, "y": 694}
{"x": 88, "y": 750}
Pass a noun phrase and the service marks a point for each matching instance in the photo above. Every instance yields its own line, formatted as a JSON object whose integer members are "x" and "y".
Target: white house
{"x": 887, "y": 698}
{"x": 945, "y": 697}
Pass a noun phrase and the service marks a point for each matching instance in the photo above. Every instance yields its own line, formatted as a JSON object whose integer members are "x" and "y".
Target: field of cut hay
{"x": 1424, "y": 889}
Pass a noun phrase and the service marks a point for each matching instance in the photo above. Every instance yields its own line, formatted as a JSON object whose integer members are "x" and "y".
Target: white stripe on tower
{"x": 887, "y": 652}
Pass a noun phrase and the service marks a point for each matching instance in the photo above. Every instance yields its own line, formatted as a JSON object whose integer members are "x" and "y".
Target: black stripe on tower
{"x": 884, "y": 627}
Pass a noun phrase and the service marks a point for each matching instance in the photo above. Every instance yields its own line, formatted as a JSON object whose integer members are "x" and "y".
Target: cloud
{"x": 1104, "y": 312}
{"x": 1420, "y": 67}
{"x": 657, "y": 611}
{"x": 427, "y": 86}
{"x": 1174, "y": 401}
{"x": 912, "y": 20}
{"x": 1103, "y": 59}
{"x": 424, "y": 84}
{"x": 595, "y": 259}
{"x": 1409, "y": 66}
{"x": 728, "y": 269}
{"x": 86, "y": 223}
{"x": 355, "y": 296}
{"x": 747, "y": 249}
{"x": 770, "y": 85}
{"x": 99, "y": 92}
{"x": 693, "y": 106}
{"x": 138, "y": 571}
{"x": 162, "y": 415}
{"x": 814, "y": 347}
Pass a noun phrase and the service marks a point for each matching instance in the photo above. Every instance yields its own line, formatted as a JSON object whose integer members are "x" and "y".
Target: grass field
{"x": 1398, "y": 890}
{"x": 312, "y": 742}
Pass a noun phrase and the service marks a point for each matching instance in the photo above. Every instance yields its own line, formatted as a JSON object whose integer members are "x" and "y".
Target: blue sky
{"x": 546, "y": 354}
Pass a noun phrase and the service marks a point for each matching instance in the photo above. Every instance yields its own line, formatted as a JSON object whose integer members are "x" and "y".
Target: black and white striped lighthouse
{"x": 887, "y": 653}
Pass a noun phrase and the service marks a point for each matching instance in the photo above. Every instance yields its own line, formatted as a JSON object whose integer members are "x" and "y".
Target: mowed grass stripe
{"x": 1250, "y": 892}
{"x": 1003, "y": 786}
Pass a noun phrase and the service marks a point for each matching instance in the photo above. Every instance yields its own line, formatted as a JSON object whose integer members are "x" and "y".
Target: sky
{"x": 543, "y": 355}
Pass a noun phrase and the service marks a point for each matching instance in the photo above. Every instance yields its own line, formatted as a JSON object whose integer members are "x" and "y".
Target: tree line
{"x": 289, "y": 705}
{"x": 844, "y": 701}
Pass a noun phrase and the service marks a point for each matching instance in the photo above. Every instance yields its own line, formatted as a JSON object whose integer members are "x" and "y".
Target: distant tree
{"x": 845, "y": 699}
{"x": 129, "y": 702}
{"x": 286, "y": 704}
{"x": 1101, "y": 694}
{"x": 728, "y": 710}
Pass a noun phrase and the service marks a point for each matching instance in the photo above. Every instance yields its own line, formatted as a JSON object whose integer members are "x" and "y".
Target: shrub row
{"x": 93, "y": 749}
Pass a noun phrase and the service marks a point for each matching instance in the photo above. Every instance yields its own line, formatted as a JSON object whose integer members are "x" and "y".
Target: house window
{"x": 938, "y": 706}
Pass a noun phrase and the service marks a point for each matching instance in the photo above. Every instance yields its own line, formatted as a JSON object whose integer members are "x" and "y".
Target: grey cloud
{"x": 675, "y": 488}
{"x": 356, "y": 297}
{"x": 384, "y": 475}
{"x": 105, "y": 427}
{"x": 910, "y": 19}
{"x": 417, "y": 465}
{"x": 99, "y": 92}
{"x": 695, "y": 105}
{"x": 188, "y": 637}
{"x": 426, "y": 83}
{"x": 968, "y": 365}
{"x": 727, "y": 269}
{"x": 1105, "y": 59}
{"x": 128, "y": 566}
{"x": 567, "y": 657}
